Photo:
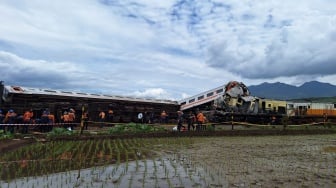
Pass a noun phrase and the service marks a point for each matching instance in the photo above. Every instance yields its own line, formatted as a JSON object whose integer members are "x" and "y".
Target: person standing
{"x": 72, "y": 118}
{"x": 163, "y": 117}
{"x": 200, "y": 121}
{"x": 102, "y": 118}
{"x": 191, "y": 120}
{"x": 2, "y": 118}
{"x": 85, "y": 120}
{"x": 110, "y": 116}
{"x": 51, "y": 118}
{"x": 10, "y": 119}
{"x": 180, "y": 120}
{"x": 65, "y": 119}
{"x": 44, "y": 121}
{"x": 27, "y": 119}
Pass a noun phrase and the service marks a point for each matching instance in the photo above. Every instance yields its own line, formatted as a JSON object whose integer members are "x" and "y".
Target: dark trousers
{"x": 191, "y": 124}
{"x": 179, "y": 126}
{"x": 11, "y": 128}
{"x": 102, "y": 123}
{"x": 85, "y": 125}
{"x": 25, "y": 127}
{"x": 199, "y": 126}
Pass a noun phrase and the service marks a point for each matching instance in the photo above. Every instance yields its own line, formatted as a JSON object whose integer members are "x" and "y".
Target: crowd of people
{"x": 45, "y": 121}
{"x": 13, "y": 122}
{"x": 194, "y": 120}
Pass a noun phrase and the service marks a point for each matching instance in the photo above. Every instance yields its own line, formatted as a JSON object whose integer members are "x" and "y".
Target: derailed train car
{"x": 234, "y": 102}
{"x": 126, "y": 109}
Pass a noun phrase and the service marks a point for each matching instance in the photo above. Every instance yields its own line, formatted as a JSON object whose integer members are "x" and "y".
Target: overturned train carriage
{"x": 125, "y": 109}
{"x": 233, "y": 102}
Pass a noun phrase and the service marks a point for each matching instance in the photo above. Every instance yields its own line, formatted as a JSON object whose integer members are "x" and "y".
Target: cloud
{"x": 158, "y": 93}
{"x": 19, "y": 71}
{"x": 295, "y": 46}
{"x": 182, "y": 47}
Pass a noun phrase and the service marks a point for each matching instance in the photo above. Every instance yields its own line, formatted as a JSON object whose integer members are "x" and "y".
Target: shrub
{"x": 134, "y": 128}
{"x": 6, "y": 135}
{"x": 59, "y": 132}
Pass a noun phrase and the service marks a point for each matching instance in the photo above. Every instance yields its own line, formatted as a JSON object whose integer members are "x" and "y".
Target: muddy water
{"x": 160, "y": 172}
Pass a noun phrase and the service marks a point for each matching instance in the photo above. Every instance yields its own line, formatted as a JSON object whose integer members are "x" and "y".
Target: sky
{"x": 168, "y": 49}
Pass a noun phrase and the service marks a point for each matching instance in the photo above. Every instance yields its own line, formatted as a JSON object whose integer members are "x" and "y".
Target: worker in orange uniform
{"x": 102, "y": 118}
{"x": 65, "y": 119}
{"x": 51, "y": 118}
{"x": 200, "y": 120}
{"x": 72, "y": 118}
{"x": 27, "y": 119}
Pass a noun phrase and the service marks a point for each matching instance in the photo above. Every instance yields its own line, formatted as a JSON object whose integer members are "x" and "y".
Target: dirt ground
{"x": 268, "y": 161}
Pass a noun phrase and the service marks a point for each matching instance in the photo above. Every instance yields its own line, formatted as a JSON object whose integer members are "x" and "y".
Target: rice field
{"x": 250, "y": 161}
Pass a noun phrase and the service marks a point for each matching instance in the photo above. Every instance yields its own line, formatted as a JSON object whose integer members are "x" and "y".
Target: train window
{"x": 334, "y": 105}
{"x": 191, "y": 100}
{"x": 308, "y": 106}
{"x": 200, "y": 97}
{"x": 50, "y": 91}
{"x": 210, "y": 94}
{"x": 68, "y": 92}
{"x": 219, "y": 91}
{"x": 269, "y": 105}
{"x": 183, "y": 103}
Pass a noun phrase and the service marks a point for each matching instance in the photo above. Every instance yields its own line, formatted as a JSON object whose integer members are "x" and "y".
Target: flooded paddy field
{"x": 237, "y": 161}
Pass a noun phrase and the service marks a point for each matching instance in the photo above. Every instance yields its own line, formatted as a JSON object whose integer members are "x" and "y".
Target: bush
{"x": 134, "y": 128}
{"x": 6, "y": 135}
{"x": 59, "y": 132}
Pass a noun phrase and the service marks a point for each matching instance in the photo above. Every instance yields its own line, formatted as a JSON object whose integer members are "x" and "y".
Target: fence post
{"x": 231, "y": 120}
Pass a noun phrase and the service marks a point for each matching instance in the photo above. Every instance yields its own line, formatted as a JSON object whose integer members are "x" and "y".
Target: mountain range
{"x": 313, "y": 89}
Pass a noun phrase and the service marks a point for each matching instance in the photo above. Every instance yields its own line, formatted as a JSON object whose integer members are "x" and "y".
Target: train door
{"x": 290, "y": 109}
{"x": 263, "y": 106}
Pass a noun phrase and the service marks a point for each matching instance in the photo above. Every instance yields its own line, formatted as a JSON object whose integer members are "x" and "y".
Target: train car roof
{"x": 51, "y": 92}
{"x": 202, "y": 94}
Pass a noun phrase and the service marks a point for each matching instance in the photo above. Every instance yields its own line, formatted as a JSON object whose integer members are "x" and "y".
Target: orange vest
{"x": 71, "y": 116}
{"x": 200, "y": 117}
{"x": 65, "y": 117}
{"x": 51, "y": 118}
{"x": 27, "y": 116}
{"x": 102, "y": 115}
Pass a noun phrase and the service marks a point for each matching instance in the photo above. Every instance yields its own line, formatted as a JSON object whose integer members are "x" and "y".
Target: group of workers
{"x": 105, "y": 119}
{"x": 45, "y": 122}
{"x": 192, "y": 118}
